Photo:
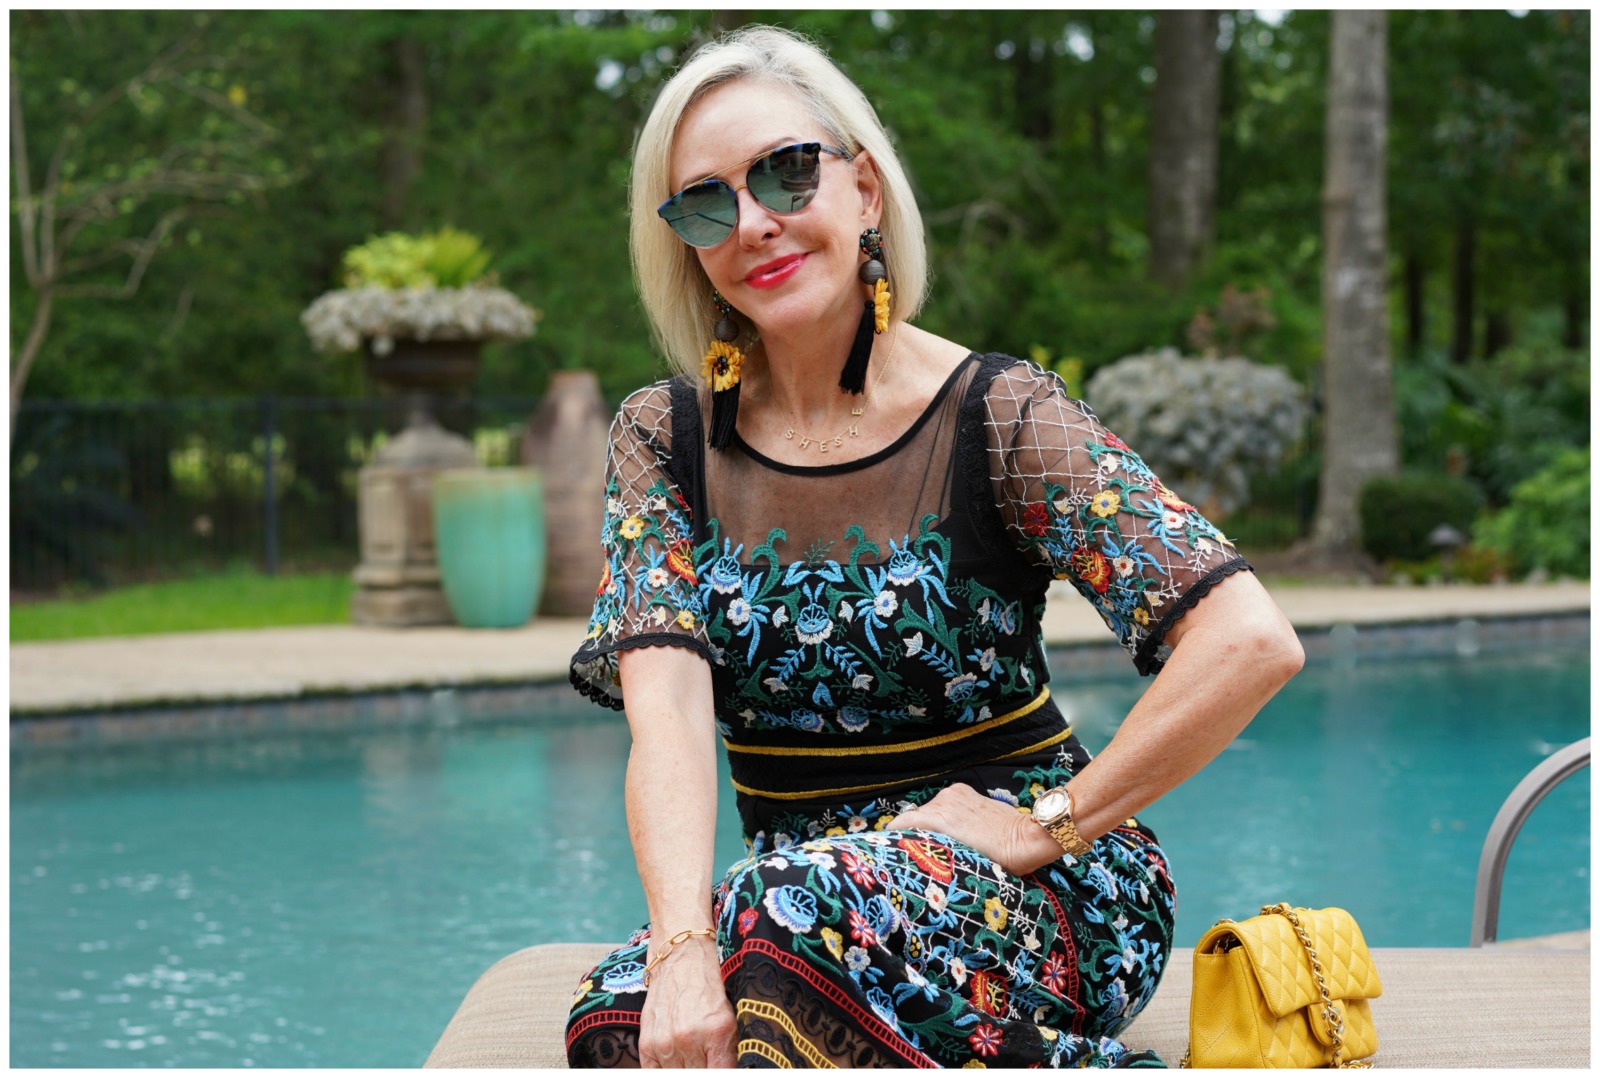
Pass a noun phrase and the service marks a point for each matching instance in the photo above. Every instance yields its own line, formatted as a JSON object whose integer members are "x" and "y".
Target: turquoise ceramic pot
{"x": 488, "y": 531}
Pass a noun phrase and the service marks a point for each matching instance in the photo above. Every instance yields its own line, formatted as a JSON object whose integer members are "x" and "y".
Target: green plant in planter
{"x": 428, "y": 287}
{"x": 448, "y": 258}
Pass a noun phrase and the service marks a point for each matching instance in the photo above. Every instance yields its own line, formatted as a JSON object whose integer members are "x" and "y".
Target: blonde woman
{"x": 829, "y": 540}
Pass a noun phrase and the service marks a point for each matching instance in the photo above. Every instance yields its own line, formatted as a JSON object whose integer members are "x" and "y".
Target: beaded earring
{"x": 723, "y": 361}
{"x": 874, "y": 316}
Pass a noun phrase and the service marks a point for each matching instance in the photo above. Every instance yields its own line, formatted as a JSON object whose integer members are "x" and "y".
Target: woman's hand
{"x": 995, "y": 829}
{"x": 687, "y": 1020}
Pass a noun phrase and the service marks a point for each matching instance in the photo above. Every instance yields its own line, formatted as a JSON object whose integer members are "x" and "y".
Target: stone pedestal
{"x": 397, "y": 582}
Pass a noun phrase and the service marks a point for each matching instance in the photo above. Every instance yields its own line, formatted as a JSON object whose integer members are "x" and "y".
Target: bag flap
{"x": 1360, "y": 1036}
{"x": 1283, "y": 969}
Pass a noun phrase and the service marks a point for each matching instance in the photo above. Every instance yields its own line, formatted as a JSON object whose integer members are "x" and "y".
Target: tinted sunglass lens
{"x": 704, "y": 215}
{"x": 785, "y": 181}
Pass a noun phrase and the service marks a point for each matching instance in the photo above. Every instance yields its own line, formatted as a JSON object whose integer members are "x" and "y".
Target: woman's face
{"x": 787, "y": 273}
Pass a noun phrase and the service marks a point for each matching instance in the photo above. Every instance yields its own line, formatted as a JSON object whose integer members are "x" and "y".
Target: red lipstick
{"x": 771, "y": 274}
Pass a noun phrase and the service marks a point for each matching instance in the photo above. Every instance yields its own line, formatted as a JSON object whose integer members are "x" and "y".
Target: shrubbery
{"x": 1398, "y": 513}
{"x": 1546, "y": 526}
{"x": 1502, "y": 417}
{"x": 1204, "y": 425}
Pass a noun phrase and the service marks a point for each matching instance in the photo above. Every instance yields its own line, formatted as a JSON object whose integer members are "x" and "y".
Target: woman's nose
{"x": 756, "y": 222}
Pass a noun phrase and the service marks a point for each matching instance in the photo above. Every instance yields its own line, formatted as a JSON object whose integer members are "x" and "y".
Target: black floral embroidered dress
{"x": 873, "y": 633}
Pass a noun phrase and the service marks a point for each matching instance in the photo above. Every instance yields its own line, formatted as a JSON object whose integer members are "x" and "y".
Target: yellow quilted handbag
{"x": 1286, "y": 989}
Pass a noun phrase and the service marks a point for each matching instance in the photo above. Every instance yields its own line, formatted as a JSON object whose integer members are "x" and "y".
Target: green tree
{"x": 92, "y": 218}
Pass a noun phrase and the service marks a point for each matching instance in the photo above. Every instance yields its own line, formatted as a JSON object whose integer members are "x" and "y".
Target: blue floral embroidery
{"x": 857, "y": 633}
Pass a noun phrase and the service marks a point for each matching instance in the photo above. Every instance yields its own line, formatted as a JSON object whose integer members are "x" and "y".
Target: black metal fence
{"x": 126, "y": 491}
{"x": 123, "y": 491}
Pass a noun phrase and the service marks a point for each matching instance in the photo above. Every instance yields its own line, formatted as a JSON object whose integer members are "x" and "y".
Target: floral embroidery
{"x": 649, "y": 576}
{"x": 877, "y": 643}
{"x": 1102, "y": 546}
{"x": 951, "y": 958}
{"x": 985, "y": 1040}
{"x": 1106, "y": 503}
{"x": 961, "y": 950}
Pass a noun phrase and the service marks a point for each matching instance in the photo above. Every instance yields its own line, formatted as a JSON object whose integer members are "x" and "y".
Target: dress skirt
{"x": 847, "y": 944}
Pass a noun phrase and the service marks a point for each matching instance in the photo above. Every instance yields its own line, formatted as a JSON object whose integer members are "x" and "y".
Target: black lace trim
{"x": 1145, "y": 660}
{"x": 587, "y": 654}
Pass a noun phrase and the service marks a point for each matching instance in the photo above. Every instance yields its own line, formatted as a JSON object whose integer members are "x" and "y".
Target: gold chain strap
{"x": 686, "y": 934}
{"x": 1329, "y": 1011}
{"x": 1334, "y": 1017}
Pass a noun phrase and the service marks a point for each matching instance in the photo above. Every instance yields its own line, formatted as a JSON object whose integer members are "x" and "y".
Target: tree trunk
{"x": 1465, "y": 297}
{"x": 1496, "y": 330}
{"x": 1097, "y": 154}
{"x": 29, "y": 353}
{"x": 1183, "y": 144}
{"x": 1359, "y": 440}
{"x": 1032, "y": 91}
{"x": 1574, "y": 307}
{"x": 1416, "y": 304}
{"x": 402, "y": 145}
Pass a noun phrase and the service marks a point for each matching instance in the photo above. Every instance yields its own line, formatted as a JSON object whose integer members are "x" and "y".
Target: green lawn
{"x": 239, "y": 599}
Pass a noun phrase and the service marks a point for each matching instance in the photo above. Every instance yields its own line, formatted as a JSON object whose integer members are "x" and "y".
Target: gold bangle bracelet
{"x": 686, "y": 934}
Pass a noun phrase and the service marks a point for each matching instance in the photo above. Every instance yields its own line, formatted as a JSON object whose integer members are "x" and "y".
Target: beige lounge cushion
{"x": 1441, "y": 1007}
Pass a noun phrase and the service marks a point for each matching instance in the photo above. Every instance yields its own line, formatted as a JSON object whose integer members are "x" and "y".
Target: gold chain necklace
{"x": 824, "y": 444}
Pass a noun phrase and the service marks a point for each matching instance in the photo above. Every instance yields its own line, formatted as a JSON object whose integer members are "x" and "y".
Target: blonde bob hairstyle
{"x": 674, "y": 289}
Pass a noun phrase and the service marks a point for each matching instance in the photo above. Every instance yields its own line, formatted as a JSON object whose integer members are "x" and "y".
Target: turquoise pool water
{"x": 327, "y": 900}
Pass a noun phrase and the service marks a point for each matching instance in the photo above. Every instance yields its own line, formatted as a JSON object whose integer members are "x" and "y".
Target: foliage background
{"x": 1026, "y": 134}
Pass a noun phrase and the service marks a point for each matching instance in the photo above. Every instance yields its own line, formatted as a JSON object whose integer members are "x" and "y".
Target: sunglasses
{"x": 784, "y": 180}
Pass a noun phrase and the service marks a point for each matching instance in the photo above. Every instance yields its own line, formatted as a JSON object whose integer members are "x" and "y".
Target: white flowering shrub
{"x": 1203, "y": 425}
{"x": 340, "y": 320}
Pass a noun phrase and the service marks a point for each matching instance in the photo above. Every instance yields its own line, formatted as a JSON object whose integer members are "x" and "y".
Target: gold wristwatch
{"x": 1052, "y": 810}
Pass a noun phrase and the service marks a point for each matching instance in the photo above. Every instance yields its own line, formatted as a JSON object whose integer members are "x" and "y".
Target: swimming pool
{"x": 327, "y": 900}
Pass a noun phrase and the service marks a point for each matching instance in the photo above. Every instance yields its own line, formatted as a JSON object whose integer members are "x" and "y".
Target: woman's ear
{"x": 870, "y": 186}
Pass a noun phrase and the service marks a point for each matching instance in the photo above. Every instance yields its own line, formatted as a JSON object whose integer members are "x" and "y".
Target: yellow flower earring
{"x": 874, "y": 316}
{"x": 722, "y": 364}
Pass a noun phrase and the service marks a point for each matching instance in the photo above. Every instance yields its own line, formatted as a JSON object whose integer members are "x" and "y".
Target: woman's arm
{"x": 672, "y": 810}
{"x": 1230, "y": 654}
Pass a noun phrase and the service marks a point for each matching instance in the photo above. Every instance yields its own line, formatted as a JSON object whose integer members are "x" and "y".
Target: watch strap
{"x": 1065, "y": 832}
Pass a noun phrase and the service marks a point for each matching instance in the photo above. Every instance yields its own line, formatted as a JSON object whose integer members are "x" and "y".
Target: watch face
{"x": 1051, "y": 803}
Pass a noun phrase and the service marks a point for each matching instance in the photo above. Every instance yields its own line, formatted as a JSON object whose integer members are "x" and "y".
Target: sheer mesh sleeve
{"x": 648, "y": 590}
{"x": 1075, "y": 499}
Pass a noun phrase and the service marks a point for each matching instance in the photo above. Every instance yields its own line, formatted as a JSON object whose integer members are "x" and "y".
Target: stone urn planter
{"x": 397, "y": 581}
{"x": 418, "y": 308}
{"x": 426, "y": 366}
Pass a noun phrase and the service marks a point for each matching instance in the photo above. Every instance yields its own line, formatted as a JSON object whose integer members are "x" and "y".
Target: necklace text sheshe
{"x": 853, "y": 430}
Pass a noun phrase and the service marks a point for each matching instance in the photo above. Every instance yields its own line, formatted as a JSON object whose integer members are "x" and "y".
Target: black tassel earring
{"x": 874, "y": 316}
{"x": 723, "y": 361}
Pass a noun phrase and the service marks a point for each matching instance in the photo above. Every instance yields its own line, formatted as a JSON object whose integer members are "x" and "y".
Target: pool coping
{"x": 287, "y": 680}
